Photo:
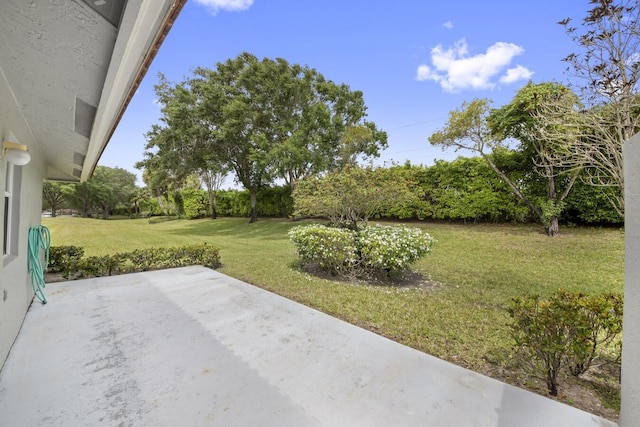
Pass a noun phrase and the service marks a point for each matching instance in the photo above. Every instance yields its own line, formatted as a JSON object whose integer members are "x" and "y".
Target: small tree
{"x": 519, "y": 120}
{"x": 478, "y": 128}
{"x": 350, "y": 196}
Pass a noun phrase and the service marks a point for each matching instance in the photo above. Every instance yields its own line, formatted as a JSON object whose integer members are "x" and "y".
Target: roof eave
{"x": 133, "y": 53}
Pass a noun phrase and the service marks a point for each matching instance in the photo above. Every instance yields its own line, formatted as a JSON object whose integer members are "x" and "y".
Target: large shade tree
{"x": 114, "y": 187}
{"x": 55, "y": 195}
{"x": 264, "y": 119}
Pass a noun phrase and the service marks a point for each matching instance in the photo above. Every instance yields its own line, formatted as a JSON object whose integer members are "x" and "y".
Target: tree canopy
{"x": 478, "y": 128}
{"x": 606, "y": 72}
{"x": 350, "y": 196}
{"x": 519, "y": 120}
{"x": 264, "y": 119}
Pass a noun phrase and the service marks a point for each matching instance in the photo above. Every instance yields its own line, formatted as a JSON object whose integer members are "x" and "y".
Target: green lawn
{"x": 463, "y": 320}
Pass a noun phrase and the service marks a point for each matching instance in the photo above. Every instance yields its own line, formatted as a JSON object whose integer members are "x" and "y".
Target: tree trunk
{"x": 213, "y": 204}
{"x": 513, "y": 187}
{"x": 553, "y": 229}
{"x": 253, "y": 194}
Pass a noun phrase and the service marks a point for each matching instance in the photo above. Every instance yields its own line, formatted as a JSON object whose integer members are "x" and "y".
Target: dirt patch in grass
{"x": 593, "y": 392}
{"x": 406, "y": 280}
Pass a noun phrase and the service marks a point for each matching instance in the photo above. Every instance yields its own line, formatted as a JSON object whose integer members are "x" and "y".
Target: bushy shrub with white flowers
{"x": 392, "y": 249}
{"x": 368, "y": 250}
{"x": 332, "y": 248}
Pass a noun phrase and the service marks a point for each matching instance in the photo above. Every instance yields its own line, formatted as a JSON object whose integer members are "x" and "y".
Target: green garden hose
{"x": 39, "y": 238}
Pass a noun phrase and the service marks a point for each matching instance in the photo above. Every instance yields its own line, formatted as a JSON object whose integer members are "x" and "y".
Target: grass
{"x": 480, "y": 267}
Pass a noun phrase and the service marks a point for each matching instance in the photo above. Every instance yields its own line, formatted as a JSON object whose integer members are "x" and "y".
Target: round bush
{"x": 392, "y": 249}
{"x": 332, "y": 248}
{"x": 363, "y": 252}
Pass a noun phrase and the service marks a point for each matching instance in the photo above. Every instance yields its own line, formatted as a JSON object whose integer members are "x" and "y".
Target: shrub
{"x": 599, "y": 323}
{"x": 540, "y": 333}
{"x": 62, "y": 258}
{"x": 369, "y": 250}
{"x": 392, "y": 249}
{"x": 332, "y": 248}
{"x": 194, "y": 203}
{"x": 147, "y": 259}
{"x": 350, "y": 196}
{"x": 97, "y": 266}
{"x": 566, "y": 329}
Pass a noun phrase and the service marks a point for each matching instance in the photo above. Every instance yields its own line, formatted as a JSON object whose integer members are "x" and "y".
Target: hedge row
{"x": 70, "y": 260}
{"x": 465, "y": 189}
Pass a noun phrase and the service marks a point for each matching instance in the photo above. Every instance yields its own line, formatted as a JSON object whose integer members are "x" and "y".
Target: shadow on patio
{"x": 191, "y": 346}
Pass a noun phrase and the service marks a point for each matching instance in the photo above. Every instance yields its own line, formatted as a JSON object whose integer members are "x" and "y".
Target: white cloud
{"x": 455, "y": 69}
{"x": 514, "y": 74}
{"x": 229, "y": 5}
{"x": 448, "y": 25}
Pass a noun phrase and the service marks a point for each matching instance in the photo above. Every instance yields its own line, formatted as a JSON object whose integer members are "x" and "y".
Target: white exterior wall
{"x": 630, "y": 385}
{"x": 15, "y": 283}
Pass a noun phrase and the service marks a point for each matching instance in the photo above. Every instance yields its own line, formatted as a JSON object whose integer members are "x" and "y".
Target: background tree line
{"x": 109, "y": 191}
{"x": 465, "y": 189}
{"x": 553, "y": 153}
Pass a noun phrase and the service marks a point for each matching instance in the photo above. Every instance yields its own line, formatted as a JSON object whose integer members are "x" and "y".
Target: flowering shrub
{"x": 368, "y": 250}
{"x": 392, "y": 248}
{"x": 332, "y": 248}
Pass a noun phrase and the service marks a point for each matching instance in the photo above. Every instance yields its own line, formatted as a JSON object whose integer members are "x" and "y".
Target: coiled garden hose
{"x": 39, "y": 238}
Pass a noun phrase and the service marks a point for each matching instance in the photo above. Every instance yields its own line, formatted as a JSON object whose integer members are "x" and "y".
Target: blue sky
{"x": 414, "y": 60}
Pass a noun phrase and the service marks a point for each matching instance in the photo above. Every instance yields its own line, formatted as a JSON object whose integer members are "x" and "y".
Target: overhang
{"x": 73, "y": 66}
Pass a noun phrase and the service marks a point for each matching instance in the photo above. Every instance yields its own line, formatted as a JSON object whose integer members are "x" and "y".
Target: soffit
{"x": 58, "y": 58}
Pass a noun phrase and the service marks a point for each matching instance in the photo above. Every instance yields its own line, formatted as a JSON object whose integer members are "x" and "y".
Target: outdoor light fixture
{"x": 15, "y": 153}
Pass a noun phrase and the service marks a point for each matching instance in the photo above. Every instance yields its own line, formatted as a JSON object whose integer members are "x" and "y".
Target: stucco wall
{"x": 630, "y": 386}
{"x": 15, "y": 283}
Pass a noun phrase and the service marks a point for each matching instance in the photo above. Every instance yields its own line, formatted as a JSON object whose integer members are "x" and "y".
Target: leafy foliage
{"x": 272, "y": 202}
{"x": 349, "y": 196}
{"x": 113, "y": 187}
{"x": 606, "y": 71}
{"x": 465, "y": 189}
{"x": 264, "y": 119}
{"x": 391, "y": 249}
{"x": 194, "y": 203}
{"x": 567, "y": 329}
{"x": 55, "y": 195}
{"x": 68, "y": 259}
{"x": 519, "y": 120}
{"x": 62, "y": 258}
{"x": 334, "y": 249}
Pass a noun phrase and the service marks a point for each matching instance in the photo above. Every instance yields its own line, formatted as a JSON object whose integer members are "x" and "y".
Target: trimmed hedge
{"x": 61, "y": 258}
{"x": 135, "y": 261}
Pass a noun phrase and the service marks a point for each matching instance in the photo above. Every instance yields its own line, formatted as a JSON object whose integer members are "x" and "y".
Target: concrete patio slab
{"x": 193, "y": 347}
